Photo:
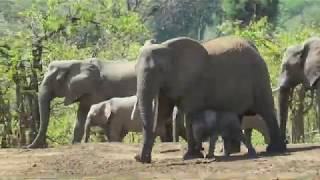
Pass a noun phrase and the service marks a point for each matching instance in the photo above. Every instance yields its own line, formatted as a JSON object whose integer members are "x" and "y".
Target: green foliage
{"x": 62, "y": 29}
{"x": 294, "y": 13}
{"x": 257, "y": 138}
{"x": 61, "y": 124}
{"x": 168, "y": 19}
{"x": 247, "y": 10}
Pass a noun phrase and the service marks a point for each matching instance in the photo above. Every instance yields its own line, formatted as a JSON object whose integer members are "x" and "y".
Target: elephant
{"x": 113, "y": 116}
{"x": 84, "y": 81}
{"x": 225, "y": 74}
{"x": 210, "y": 123}
{"x": 300, "y": 65}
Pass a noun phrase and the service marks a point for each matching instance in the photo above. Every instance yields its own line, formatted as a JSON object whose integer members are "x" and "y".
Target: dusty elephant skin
{"x": 226, "y": 74}
{"x": 114, "y": 117}
{"x": 301, "y": 65}
{"x": 211, "y": 124}
{"x": 87, "y": 82}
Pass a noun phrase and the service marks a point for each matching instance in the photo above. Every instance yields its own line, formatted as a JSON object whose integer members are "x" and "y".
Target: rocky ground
{"x": 115, "y": 161}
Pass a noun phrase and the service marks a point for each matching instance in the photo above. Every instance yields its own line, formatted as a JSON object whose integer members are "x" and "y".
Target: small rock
{"x": 34, "y": 165}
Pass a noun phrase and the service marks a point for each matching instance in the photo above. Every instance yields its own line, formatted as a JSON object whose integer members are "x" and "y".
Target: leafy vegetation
{"x": 35, "y": 32}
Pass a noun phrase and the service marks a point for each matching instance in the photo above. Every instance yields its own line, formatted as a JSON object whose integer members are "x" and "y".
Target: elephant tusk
{"x": 134, "y": 109}
{"x": 275, "y": 90}
{"x": 156, "y": 110}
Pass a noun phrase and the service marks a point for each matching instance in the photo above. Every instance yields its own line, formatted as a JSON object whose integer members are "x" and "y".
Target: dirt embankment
{"x": 115, "y": 161}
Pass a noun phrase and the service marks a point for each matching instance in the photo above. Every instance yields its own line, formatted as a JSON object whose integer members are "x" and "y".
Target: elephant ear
{"x": 61, "y": 75}
{"x": 310, "y": 56}
{"x": 162, "y": 56}
{"x": 82, "y": 80}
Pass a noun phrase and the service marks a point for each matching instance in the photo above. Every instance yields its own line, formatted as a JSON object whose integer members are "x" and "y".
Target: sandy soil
{"x": 115, "y": 161}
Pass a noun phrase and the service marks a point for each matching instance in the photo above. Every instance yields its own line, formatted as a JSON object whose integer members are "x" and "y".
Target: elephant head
{"x": 301, "y": 64}
{"x": 160, "y": 66}
{"x": 99, "y": 114}
{"x": 72, "y": 80}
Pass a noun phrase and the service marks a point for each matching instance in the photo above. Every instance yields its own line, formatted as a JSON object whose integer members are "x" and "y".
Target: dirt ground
{"x": 115, "y": 161}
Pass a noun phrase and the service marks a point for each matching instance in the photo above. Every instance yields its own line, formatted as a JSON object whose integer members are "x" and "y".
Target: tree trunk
{"x": 34, "y": 125}
{"x": 20, "y": 110}
{"x": 5, "y": 118}
{"x": 297, "y": 117}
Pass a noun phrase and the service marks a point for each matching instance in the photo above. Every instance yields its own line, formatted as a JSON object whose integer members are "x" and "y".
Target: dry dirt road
{"x": 115, "y": 161}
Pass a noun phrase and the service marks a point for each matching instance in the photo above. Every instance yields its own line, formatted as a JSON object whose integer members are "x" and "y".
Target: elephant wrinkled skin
{"x": 87, "y": 82}
{"x": 226, "y": 74}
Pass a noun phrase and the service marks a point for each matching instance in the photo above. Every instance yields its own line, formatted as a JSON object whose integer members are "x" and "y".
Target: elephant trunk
{"x": 147, "y": 95}
{"x": 284, "y": 95}
{"x": 44, "y": 99}
{"x": 87, "y": 130}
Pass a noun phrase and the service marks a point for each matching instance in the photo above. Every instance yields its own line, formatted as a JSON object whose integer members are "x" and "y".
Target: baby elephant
{"x": 114, "y": 117}
{"x": 211, "y": 123}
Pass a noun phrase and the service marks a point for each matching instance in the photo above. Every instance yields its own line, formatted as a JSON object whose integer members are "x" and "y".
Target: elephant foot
{"x": 75, "y": 142}
{"x": 36, "y": 145}
{"x": 225, "y": 154}
{"x": 277, "y": 148}
{"x": 143, "y": 159}
{"x": 252, "y": 153}
{"x": 210, "y": 156}
{"x": 192, "y": 155}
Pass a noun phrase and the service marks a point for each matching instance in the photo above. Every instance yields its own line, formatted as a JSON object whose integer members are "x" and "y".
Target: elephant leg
{"x": 247, "y": 143}
{"x": 277, "y": 143}
{"x": 227, "y": 146}
{"x": 79, "y": 126}
{"x": 162, "y": 133}
{"x": 234, "y": 145}
{"x": 87, "y": 134}
{"x": 168, "y": 132}
{"x": 248, "y": 135}
{"x": 212, "y": 146}
{"x": 175, "y": 134}
{"x": 115, "y": 136}
{"x": 194, "y": 148}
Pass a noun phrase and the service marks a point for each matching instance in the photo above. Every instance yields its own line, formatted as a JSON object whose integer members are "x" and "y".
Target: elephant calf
{"x": 210, "y": 123}
{"x": 114, "y": 117}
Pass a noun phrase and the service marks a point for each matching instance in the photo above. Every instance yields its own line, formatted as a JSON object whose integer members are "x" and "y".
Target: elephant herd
{"x": 226, "y": 75}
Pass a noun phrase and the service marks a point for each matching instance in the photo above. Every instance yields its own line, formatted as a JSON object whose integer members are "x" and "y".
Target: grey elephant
{"x": 209, "y": 123}
{"x": 300, "y": 65}
{"x": 87, "y": 82}
{"x": 114, "y": 117}
{"x": 226, "y": 74}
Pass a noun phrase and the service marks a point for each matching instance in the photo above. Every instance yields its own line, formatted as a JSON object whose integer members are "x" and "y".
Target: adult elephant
{"x": 301, "y": 65}
{"x": 222, "y": 74}
{"x": 87, "y": 82}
